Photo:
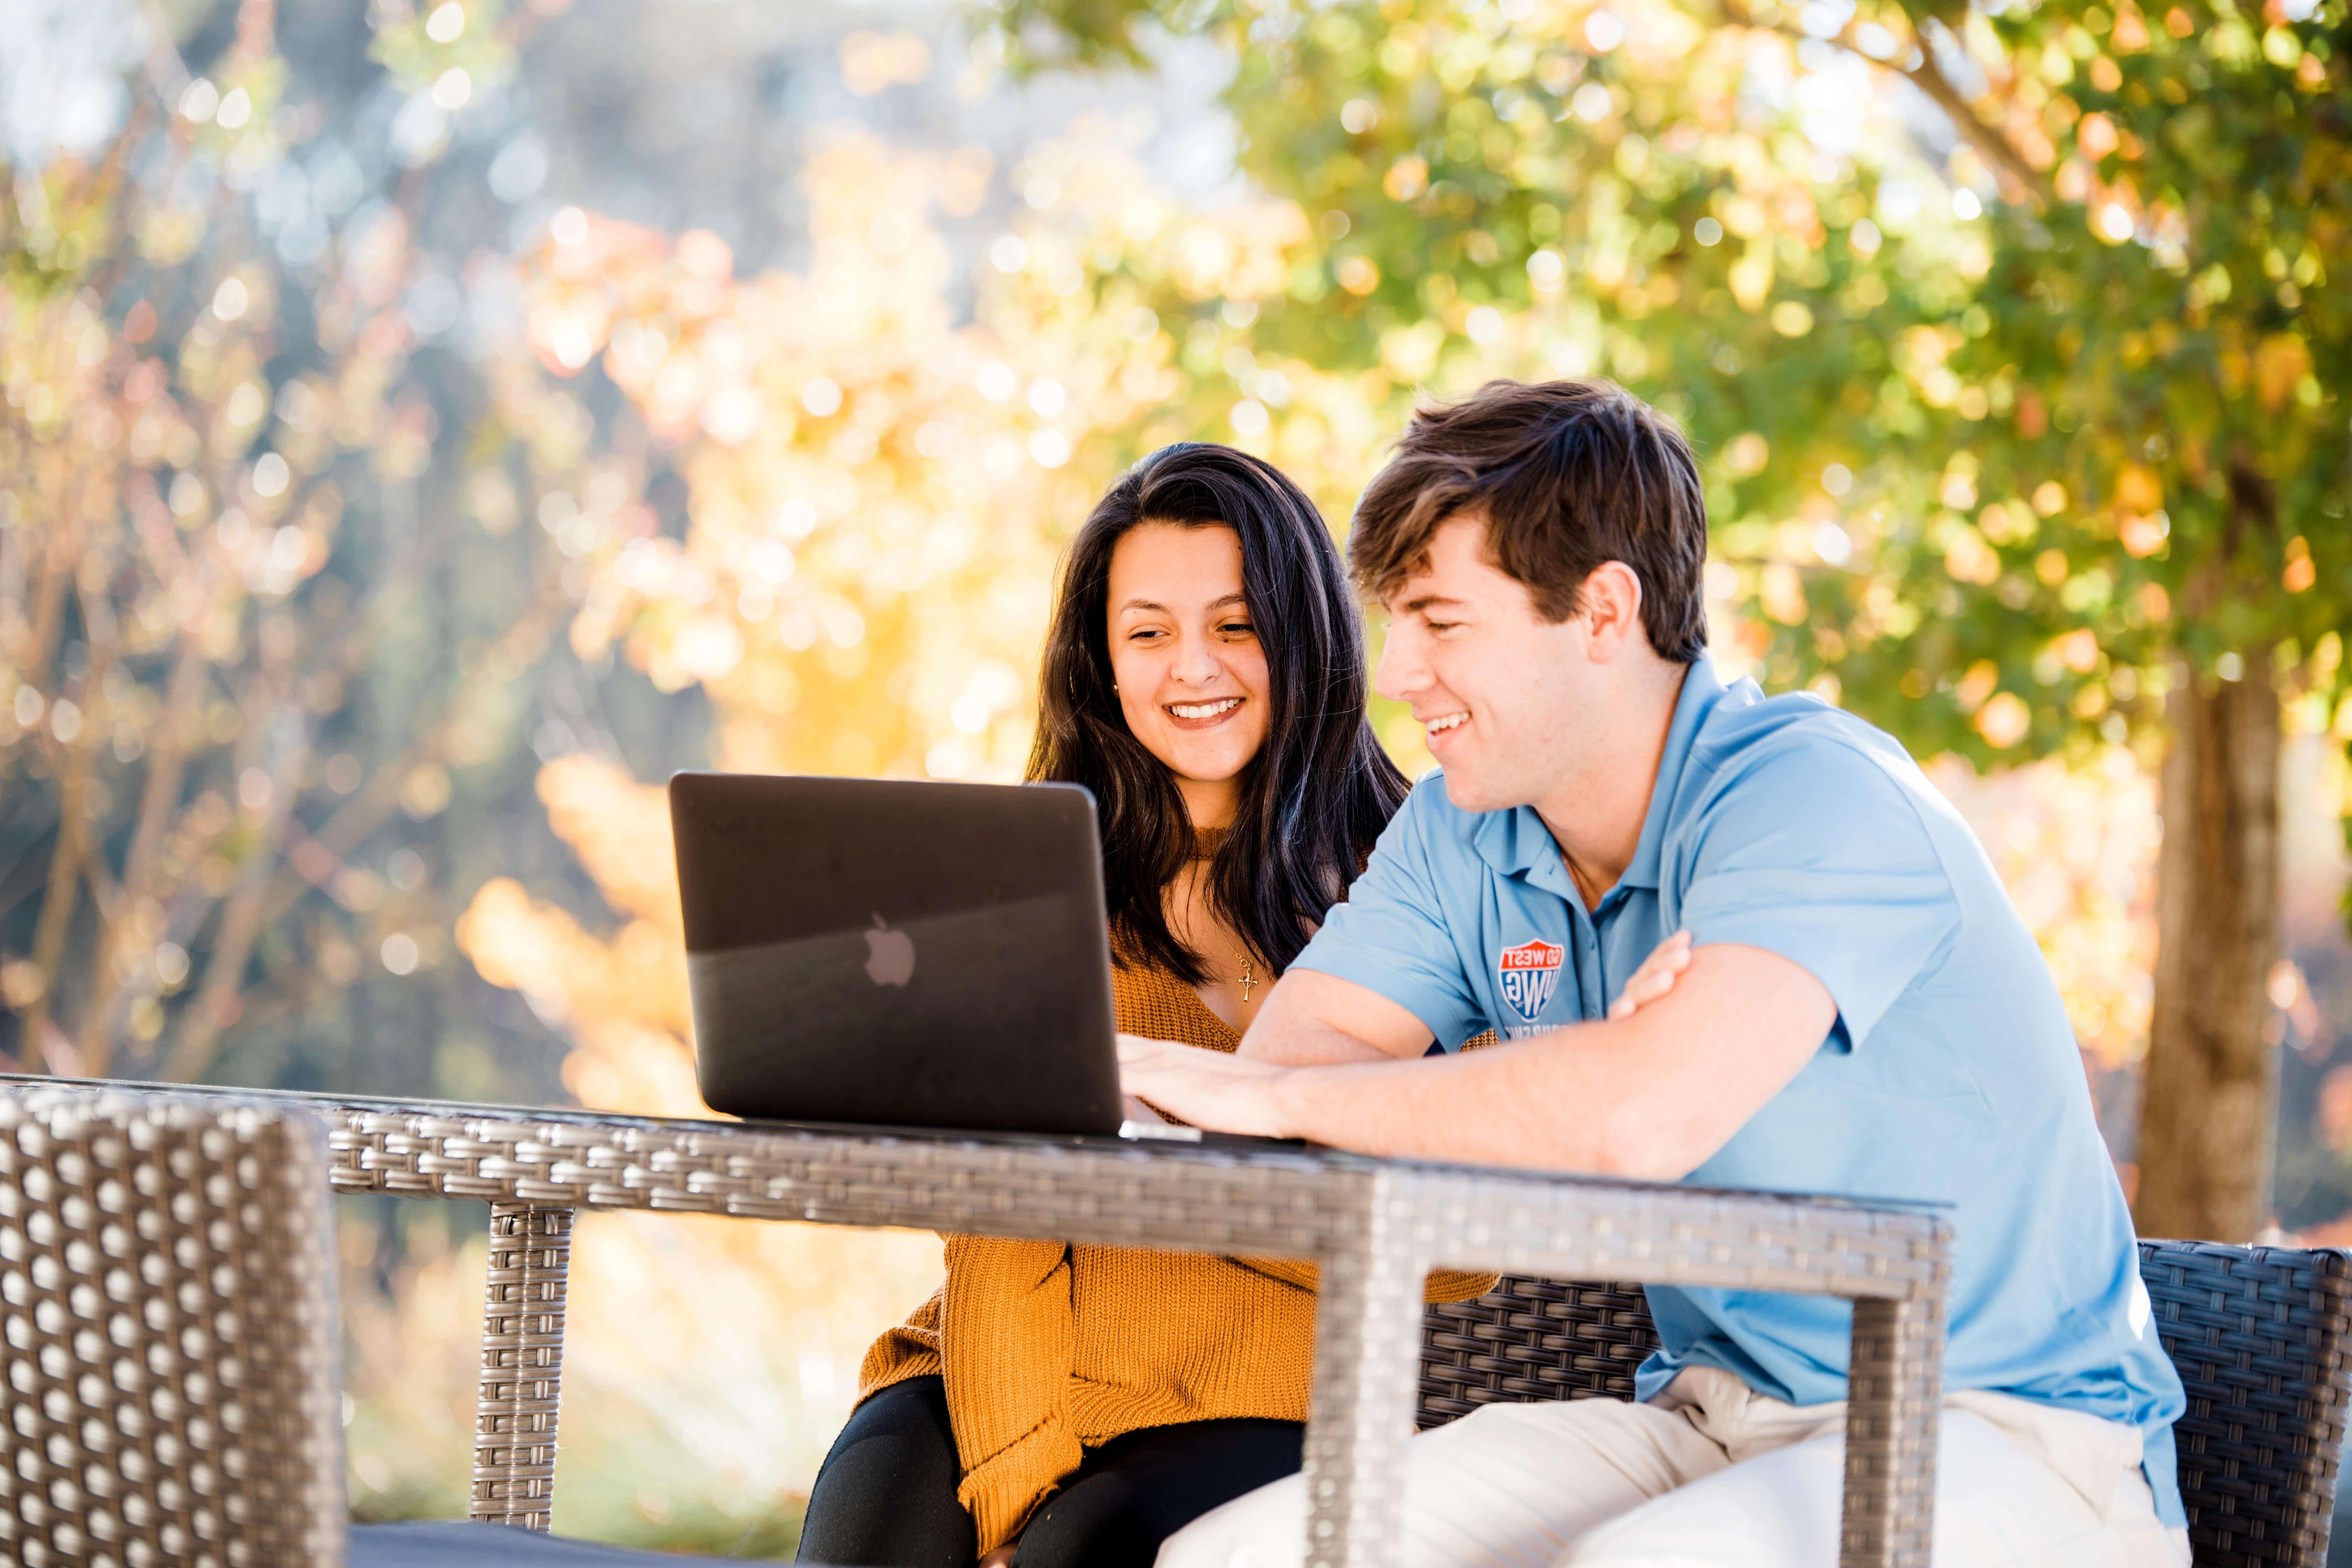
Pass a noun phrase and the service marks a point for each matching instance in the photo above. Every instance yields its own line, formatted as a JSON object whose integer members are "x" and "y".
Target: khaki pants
{"x": 1711, "y": 1475}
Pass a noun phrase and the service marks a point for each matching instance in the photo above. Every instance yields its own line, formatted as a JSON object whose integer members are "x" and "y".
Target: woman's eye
{"x": 1235, "y": 629}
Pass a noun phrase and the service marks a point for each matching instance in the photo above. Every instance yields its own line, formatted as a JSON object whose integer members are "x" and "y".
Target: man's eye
{"x": 1442, "y": 625}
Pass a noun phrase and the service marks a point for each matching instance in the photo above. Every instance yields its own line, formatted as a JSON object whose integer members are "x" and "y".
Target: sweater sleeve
{"x": 910, "y": 1350}
{"x": 1444, "y": 1284}
{"x": 1008, "y": 1339}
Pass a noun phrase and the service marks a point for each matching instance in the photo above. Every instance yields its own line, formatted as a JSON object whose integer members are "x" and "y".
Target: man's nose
{"x": 1401, "y": 671}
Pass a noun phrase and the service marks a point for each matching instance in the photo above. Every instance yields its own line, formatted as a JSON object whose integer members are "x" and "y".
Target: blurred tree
{"x": 876, "y": 494}
{"x": 2007, "y": 333}
{"x": 229, "y": 514}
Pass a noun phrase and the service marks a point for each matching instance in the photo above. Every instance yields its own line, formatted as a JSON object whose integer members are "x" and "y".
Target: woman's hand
{"x": 1656, "y": 977}
{"x": 1134, "y": 1110}
{"x": 1001, "y": 1557}
{"x": 1208, "y": 1089}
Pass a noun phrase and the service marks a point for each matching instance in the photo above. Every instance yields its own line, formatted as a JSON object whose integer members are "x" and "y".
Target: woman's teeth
{"x": 1439, "y": 726}
{"x": 1204, "y": 710}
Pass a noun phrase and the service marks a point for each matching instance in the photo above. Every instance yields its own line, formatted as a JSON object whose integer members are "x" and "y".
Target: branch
{"x": 49, "y": 932}
{"x": 1929, "y": 77}
{"x": 242, "y": 923}
{"x": 166, "y": 766}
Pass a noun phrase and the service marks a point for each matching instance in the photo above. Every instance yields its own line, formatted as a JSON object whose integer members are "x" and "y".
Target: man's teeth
{"x": 1439, "y": 726}
{"x": 1204, "y": 710}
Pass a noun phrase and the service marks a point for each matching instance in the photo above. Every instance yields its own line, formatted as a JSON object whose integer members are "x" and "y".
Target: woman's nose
{"x": 1196, "y": 662}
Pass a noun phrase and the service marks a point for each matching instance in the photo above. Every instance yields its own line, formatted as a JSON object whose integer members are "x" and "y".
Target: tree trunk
{"x": 2209, "y": 1116}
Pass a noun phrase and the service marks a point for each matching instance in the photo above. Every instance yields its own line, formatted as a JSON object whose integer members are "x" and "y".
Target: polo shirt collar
{"x": 1517, "y": 844}
{"x": 1701, "y": 688}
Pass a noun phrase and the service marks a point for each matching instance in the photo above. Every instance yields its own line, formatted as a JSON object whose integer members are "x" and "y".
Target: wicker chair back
{"x": 167, "y": 1335}
{"x": 2262, "y": 1336}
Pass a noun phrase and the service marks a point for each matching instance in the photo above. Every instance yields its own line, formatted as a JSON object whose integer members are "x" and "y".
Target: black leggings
{"x": 887, "y": 1494}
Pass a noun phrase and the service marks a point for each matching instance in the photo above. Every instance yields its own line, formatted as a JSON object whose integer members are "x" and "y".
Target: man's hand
{"x": 1207, "y": 1088}
{"x": 1656, "y": 977}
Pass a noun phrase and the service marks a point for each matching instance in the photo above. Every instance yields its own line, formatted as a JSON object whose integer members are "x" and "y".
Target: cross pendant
{"x": 1248, "y": 979}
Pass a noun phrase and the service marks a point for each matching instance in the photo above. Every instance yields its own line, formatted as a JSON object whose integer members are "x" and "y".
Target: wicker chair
{"x": 168, "y": 1342}
{"x": 2259, "y": 1334}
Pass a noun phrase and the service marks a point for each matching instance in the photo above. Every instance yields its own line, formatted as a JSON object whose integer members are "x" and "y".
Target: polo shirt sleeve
{"x": 1818, "y": 855}
{"x": 1391, "y": 936}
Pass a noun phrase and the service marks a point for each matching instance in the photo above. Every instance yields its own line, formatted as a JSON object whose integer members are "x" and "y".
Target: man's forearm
{"x": 1652, "y": 1095}
{"x": 1308, "y": 1045}
{"x": 1315, "y": 1020}
{"x": 1513, "y": 1105}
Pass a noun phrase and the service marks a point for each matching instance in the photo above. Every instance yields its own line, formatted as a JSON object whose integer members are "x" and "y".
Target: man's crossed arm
{"x": 1651, "y": 1092}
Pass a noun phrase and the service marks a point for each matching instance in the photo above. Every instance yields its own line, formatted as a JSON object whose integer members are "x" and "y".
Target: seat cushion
{"x": 457, "y": 1544}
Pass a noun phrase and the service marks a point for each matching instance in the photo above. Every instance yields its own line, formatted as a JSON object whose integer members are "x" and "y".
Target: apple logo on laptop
{"x": 889, "y": 955}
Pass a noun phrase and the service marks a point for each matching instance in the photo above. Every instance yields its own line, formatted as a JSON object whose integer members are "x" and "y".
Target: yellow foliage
{"x": 2004, "y": 719}
{"x": 2078, "y": 650}
{"x": 619, "y": 829}
{"x": 2077, "y": 849}
{"x": 1977, "y": 685}
{"x": 1968, "y": 559}
{"x": 2281, "y": 359}
{"x": 2137, "y": 490}
{"x": 1406, "y": 178}
{"x": 620, "y": 1065}
{"x": 541, "y": 951}
{"x": 1751, "y": 276}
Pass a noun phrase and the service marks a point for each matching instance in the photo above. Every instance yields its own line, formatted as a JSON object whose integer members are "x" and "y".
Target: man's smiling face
{"x": 1503, "y": 694}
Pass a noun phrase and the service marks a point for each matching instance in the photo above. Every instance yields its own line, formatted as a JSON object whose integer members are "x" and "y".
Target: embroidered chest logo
{"x": 1529, "y": 974}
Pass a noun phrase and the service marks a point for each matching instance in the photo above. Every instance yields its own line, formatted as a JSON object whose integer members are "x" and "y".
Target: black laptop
{"x": 898, "y": 953}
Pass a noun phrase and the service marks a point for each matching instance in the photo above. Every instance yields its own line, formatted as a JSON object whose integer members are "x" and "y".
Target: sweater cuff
{"x": 1442, "y": 1285}
{"x": 1454, "y": 1285}
{"x": 1003, "y": 1490}
{"x": 895, "y": 1358}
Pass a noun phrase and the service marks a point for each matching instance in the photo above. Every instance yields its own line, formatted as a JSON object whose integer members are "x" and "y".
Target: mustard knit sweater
{"x": 1049, "y": 1349}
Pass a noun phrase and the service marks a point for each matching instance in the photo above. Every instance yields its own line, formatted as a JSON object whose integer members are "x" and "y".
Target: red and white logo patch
{"x": 1528, "y": 973}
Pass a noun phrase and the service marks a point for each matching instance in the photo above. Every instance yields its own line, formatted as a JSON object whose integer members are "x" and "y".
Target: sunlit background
{"x": 429, "y": 426}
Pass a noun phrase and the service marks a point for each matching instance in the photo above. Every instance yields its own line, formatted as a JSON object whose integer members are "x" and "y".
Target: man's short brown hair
{"x": 1568, "y": 474}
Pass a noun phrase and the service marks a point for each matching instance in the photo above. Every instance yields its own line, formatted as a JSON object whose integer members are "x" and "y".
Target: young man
{"x": 1859, "y": 1010}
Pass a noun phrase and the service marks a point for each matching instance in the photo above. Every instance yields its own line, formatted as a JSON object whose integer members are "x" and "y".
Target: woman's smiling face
{"x": 1190, "y": 672}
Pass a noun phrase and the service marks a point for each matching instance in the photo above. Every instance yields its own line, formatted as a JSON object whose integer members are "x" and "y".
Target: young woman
{"x": 1062, "y": 1406}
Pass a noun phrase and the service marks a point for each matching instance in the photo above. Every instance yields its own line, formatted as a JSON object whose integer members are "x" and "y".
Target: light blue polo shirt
{"x": 1951, "y": 1074}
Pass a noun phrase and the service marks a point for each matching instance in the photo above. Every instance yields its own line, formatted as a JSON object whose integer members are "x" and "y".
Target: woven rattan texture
{"x": 2259, "y": 1335}
{"x": 1186, "y": 1200}
{"x": 1531, "y": 1339}
{"x": 523, "y": 1366}
{"x": 2262, "y": 1336}
{"x": 1374, "y": 1225}
{"x": 169, "y": 1334}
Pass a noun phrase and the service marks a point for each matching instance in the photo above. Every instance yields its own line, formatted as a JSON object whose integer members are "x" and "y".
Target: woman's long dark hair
{"x": 1318, "y": 792}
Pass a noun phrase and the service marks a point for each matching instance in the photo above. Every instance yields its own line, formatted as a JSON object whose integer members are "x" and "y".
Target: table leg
{"x": 1891, "y": 1424}
{"x": 522, "y": 1363}
{"x": 1367, "y": 1367}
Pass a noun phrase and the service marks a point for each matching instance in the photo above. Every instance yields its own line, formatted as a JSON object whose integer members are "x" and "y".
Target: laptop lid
{"x": 896, "y": 953}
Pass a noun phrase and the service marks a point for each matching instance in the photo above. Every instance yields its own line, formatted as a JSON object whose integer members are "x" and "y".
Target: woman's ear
{"x": 1611, "y": 606}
